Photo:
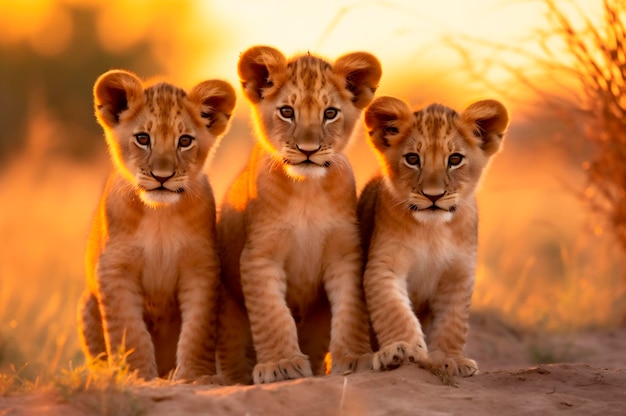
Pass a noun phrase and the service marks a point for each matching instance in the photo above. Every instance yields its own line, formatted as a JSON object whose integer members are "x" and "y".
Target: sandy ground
{"x": 587, "y": 377}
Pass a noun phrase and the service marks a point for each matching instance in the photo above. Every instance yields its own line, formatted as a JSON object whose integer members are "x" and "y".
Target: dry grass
{"x": 47, "y": 205}
{"x": 544, "y": 261}
{"x": 585, "y": 88}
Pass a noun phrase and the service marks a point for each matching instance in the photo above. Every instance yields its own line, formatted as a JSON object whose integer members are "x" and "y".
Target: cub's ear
{"x": 215, "y": 100}
{"x": 113, "y": 91}
{"x": 386, "y": 119}
{"x": 257, "y": 69}
{"x": 361, "y": 72}
{"x": 488, "y": 120}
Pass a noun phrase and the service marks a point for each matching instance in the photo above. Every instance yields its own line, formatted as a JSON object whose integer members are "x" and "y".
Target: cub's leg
{"x": 197, "y": 296}
{"x": 90, "y": 327}
{"x": 314, "y": 335}
{"x": 235, "y": 352}
{"x": 350, "y": 343}
{"x": 448, "y": 331}
{"x": 397, "y": 329}
{"x": 264, "y": 285}
{"x": 121, "y": 305}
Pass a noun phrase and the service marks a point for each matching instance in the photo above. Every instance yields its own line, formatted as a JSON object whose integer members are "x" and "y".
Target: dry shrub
{"x": 599, "y": 67}
{"x": 578, "y": 78}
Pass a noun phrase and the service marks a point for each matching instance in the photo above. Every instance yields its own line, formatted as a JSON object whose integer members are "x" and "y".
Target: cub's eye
{"x": 330, "y": 113}
{"x": 412, "y": 159}
{"x": 391, "y": 130}
{"x": 142, "y": 139}
{"x": 455, "y": 159}
{"x": 287, "y": 111}
{"x": 185, "y": 141}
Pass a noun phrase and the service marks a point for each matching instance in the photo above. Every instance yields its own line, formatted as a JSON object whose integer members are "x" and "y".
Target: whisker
{"x": 405, "y": 205}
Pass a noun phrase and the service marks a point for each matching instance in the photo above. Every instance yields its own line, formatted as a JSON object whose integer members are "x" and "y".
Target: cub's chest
{"x": 310, "y": 216}
{"x": 305, "y": 222}
{"x": 430, "y": 256}
{"x": 161, "y": 237}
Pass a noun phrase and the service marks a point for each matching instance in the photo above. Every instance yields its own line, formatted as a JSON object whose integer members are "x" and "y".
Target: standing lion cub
{"x": 419, "y": 226}
{"x": 152, "y": 265}
{"x": 289, "y": 240}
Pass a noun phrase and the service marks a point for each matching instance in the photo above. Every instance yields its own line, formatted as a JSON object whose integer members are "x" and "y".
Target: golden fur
{"x": 419, "y": 228}
{"x": 152, "y": 264}
{"x": 287, "y": 230}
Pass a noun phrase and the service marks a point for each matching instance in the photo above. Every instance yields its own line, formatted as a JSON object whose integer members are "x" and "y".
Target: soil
{"x": 584, "y": 374}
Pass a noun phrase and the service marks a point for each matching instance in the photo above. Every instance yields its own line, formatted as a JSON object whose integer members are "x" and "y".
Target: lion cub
{"x": 152, "y": 264}
{"x": 287, "y": 231}
{"x": 419, "y": 228}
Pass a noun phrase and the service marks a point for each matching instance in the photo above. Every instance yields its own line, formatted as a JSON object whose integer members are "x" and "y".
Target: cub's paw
{"x": 466, "y": 367}
{"x": 352, "y": 363}
{"x": 147, "y": 372}
{"x": 285, "y": 369}
{"x": 187, "y": 374}
{"x": 207, "y": 380}
{"x": 393, "y": 355}
{"x": 452, "y": 366}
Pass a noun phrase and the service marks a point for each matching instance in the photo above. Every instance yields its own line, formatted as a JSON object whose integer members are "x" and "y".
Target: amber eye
{"x": 185, "y": 141}
{"x": 455, "y": 159}
{"x": 412, "y": 159}
{"x": 286, "y": 111}
{"x": 142, "y": 139}
{"x": 331, "y": 113}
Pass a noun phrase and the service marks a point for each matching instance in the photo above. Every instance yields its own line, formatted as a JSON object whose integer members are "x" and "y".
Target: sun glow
{"x": 438, "y": 50}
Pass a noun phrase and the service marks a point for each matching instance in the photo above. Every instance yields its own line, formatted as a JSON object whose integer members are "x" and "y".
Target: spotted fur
{"x": 419, "y": 228}
{"x": 152, "y": 264}
{"x": 287, "y": 229}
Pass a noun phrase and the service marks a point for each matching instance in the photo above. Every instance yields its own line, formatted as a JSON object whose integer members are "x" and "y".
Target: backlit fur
{"x": 287, "y": 230}
{"x": 152, "y": 264}
{"x": 419, "y": 228}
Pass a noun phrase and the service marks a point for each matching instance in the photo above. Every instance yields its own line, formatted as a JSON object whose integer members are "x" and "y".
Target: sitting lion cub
{"x": 419, "y": 228}
{"x": 152, "y": 264}
{"x": 289, "y": 240}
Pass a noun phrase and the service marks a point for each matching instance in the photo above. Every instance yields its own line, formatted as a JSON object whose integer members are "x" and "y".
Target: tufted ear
{"x": 488, "y": 120}
{"x": 216, "y": 100}
{"x": 113, "y": 91}
{"x": 361, "y": 72}
{"x": 385, "y": 120}
{"x": 257, "y": 67}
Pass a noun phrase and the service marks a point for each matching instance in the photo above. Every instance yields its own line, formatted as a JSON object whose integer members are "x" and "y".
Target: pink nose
{"x": 434, "y": 198}
{"x": 161, "y": 179}
{"x": 306, "y": 152}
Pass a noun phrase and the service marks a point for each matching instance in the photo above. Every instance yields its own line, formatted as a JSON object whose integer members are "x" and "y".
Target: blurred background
{"x": 552, "y": 209}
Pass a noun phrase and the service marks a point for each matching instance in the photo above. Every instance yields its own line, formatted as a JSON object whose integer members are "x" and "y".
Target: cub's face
{"x": 305, "y": 109}
{"x": 432, "y": 159}
{"x": 160, "y": 136}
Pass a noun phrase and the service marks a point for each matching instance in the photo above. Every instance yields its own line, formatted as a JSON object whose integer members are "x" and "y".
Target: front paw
{"x": 466, "y": 367}
{"x": 285, "y": 369}
{"x": 394, "y": 354}
{"x": 183, "y": 376}
{"x": 186, "y": 373}
{"x": 210, "y": 380}
{"x": 452, "y": 366}
{"x": 145, "y": 369}
{"x": 352, "y": 363}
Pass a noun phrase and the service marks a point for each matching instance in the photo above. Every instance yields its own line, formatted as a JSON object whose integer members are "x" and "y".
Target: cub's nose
{"x": 161, "y": 179}
{"x": 433, "y": 198}
{"x": 308, "y": 150}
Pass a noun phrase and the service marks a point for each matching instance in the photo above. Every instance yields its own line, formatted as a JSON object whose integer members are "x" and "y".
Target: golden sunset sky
{"x": 413, "y": 38}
